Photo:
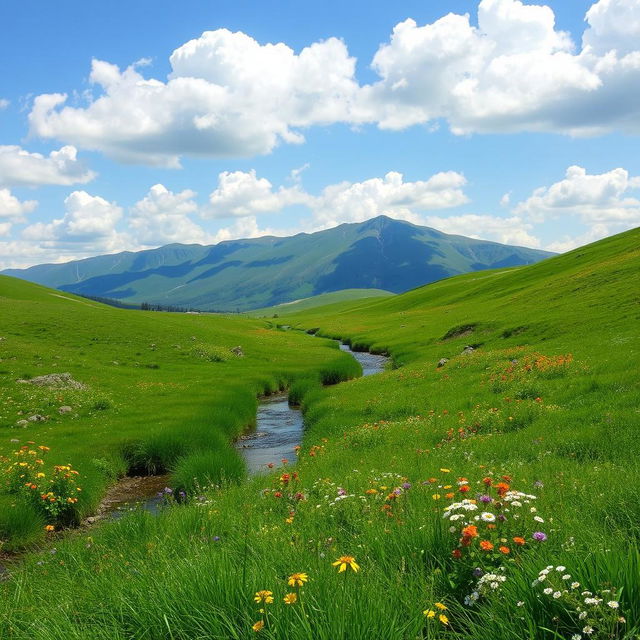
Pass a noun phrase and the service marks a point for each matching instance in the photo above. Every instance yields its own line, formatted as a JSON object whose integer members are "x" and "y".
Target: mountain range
{"x": 238, "y": 275}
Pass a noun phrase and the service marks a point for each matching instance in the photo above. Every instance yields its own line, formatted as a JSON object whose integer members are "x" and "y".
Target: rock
{"x": 37, "y": 418}
{"x": 57, "y": 380}
{"x": 14, "y": 440}
{"x": 22, "y": 423}
{"x": 65, "y": 409}
{"x": 237, "y": 351}
{"x": 2, "y": 338}
{"x": 467, "y": 350}
{"x": 442, "y": 362}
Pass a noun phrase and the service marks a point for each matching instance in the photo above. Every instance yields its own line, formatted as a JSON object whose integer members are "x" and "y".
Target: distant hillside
{"x": 238, "y": 275}
{"x": 346, "y": 295}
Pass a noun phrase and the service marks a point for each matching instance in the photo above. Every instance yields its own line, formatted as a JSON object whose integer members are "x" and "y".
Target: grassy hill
{"x": 322, "y": 300}
{"x": 246, "y": 274}
{"x": 546, "y": 404}
{"x": 162, "y": 391}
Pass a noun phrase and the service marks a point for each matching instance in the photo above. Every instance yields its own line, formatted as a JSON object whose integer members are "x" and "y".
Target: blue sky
{"x": 126, "y": 126}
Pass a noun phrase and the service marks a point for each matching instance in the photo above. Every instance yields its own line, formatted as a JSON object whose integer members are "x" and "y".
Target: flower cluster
{"x": 487, "y": 584}
{"x": 437, "y": 613}
{"x": 584, "y": 614}
{"x": 54, "y": 491}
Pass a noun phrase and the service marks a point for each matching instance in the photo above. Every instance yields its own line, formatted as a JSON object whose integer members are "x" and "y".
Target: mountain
{"x": 238, "y": 275}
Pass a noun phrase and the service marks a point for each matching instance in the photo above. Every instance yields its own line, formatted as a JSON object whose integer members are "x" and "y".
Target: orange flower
{"x": 502, "y": 488}
{"x": 519, "y": 541}
{"x": 449, "y": 495}
{"x": 470, "y": 531}
{"x": 464, "y": 488}
{"x": 456, "y": 553}
{"x": 485, "y": 545}
{"x": 487, "y": 481}
{"x": 504, "y": 550}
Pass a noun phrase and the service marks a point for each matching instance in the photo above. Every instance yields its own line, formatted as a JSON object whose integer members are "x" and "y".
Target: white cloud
{"x": 599, "y": 198}
{"x": 18, "y": 167}
{"x": 88, "y": 227}
{"x": 228, "y": 95}
{"x": 391, "y": 196}
{"x": 242, "y": 193}
{"x": 162, "y": 217}
{"x": 13, "y": 210}
{"x": 3, "y": 103}
{"x": 511, "y": 230}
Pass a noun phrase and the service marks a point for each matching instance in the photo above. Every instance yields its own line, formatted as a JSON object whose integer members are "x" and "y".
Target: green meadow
{"x": 491, "y": 497}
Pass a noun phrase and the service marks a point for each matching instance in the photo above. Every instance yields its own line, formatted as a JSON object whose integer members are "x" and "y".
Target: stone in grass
{"x": 65, "y": 409}
{"x": 22, "y": 423}
{"x": 237, "y": 351}
{"x": 467, "y": 350}
{"x": 37, "y": 418}
{"x": 442, "y": 362}
{"x": 57, "y": 380}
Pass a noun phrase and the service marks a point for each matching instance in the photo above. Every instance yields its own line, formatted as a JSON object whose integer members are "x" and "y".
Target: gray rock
{"x": 57, "y": 380}
{"x": 442, "y": 362}
{"x": 14, "y": 440}
{"x": 237, "y": 351}
{"x": 467, "y": 350}
{"x": 22, "y": 423}
{"x": 37, "y": 418}
{"x": 64, "y": 409}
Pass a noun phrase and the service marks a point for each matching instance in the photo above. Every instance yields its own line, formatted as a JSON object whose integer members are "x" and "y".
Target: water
{"x": 278, "y": 431}
{"x": 279, "y": 427}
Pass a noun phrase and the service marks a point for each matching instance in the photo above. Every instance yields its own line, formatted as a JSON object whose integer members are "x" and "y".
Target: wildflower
{"x": 440, "y": 606}
{"x": 556, "y": 594}
{"x": 504, "y": 550}
{"x": 575, "y": 585}
{"x": 263, "y": 596}
{"x": 539, "y": 536}
{"x": 576, "y": 636}
{"x": 485, "y": 516}
{"x": 429, "y": 613}
{"x": 457, "y": 554}
{"x": 290, "y": 598}
{"x": 297, "y": 579}
{"x": 445, "y": 470}
{"x": 588, "y": 630}
{"x": 485, "y": 545}
{"x": 470, "y": 531}
{"x": 49, "y": 527}
{"x": 258, "y": 626}
{"x": 344, "y": 562}
{"x": 613, "y": 604}
{"x": 519, "y": 541}
{"x": 485, "y": 498}
{"x": 436, "y": 496}
{"x": 443, "y": 619}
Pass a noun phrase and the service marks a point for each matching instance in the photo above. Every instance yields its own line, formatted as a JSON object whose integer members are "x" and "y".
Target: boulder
{"x": 64, "y": 409}
{"x": 56, "y": 380}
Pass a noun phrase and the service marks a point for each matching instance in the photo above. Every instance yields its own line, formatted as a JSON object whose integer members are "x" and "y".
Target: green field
{"x": 545, "y": 404}
{"x": 324, "y": 299}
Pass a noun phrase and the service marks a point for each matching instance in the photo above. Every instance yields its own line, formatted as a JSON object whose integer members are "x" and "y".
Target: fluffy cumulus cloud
{"x": 241, "y": 193}
{"x": 12, "y": 209}
{"x": 3, "y": 103}
{"x": 18, "y": 167}
{"x": 88, "y": 227}
{"x": 162, "y": 217}
{"x": 605, "y": 204}
{"x": 229, "y": 95}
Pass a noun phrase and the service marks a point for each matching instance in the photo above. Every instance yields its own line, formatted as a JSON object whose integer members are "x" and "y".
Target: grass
{"x": 547, "y": 400}
{"x": 159, "y": 390}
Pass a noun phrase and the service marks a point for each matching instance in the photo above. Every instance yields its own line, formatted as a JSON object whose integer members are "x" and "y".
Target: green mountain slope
{"x": 246, "y": 274}
{"x": 321, "y": 300}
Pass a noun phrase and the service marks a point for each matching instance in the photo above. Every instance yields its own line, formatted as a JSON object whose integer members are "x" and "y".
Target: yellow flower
{"x": 346, "y": 561}
{"x": 263, "y": 596}
{"x": 440, "y": 606}
{"x": 443, "y": 619}
{"x": 49, "y": 527}
{"x": 258, "y": 626}
{"x": 445, "y": 470}
{"x": 289, "y": 520}
{"x": 430, "y": 613}
{"x": 290, "y": 598}
{"x": 436, "y": 496}
{"x": 297, "y": 579}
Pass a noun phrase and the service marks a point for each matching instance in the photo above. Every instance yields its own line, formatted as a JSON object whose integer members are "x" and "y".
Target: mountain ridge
{"x": 233, "y": 275}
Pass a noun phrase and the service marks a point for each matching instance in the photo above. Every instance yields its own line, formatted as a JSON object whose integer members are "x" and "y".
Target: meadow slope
{"x": 528, "y": 444}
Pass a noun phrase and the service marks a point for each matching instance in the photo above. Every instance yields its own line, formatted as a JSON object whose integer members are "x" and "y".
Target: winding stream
{"x": 279, "y": 427}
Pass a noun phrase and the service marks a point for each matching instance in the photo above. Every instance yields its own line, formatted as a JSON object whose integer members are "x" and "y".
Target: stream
{"x": 279, "y": 429}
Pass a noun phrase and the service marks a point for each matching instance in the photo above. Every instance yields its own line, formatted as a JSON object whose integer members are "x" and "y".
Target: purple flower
{"x": 216, "y": 538}
{"x": 397, "y": 491}
{"x": 485, "y": 498}
{"x": 501, "y": 517}
{"x": 540, "y": 536}
{"x": 341, "y": 491}
{"x": 406, "y": 485}
{"x": 168, "y": 491}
